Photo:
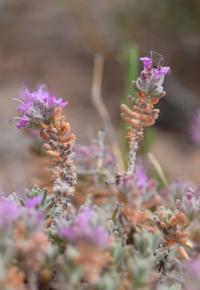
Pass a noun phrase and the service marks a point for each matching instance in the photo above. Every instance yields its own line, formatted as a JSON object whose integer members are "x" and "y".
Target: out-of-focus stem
{"x": 158, "y": 168}
{"x": 101, "y": 108}
{"x": 133, "y": 147}
{"x": 32, "y": 281}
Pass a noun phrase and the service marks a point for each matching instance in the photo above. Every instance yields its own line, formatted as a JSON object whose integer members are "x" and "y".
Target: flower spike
{"x": 142, "y": 114}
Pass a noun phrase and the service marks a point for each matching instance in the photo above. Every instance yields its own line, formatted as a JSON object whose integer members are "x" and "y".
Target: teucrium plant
{"x": 84, "y": 233}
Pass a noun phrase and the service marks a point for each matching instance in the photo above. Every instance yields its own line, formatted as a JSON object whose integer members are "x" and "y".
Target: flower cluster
{"x": 142, "y": 114}
{"x": 9, "y": 209}
{"x": 151, "y": 78}
{"x": 37, "y": 107}
{"x": 23, "y": 240}
{"x": 43, "y": 110}
{"x": 138, "y": 189}
{"x": 82, "y": 229}
{"x": 97, "y": 228}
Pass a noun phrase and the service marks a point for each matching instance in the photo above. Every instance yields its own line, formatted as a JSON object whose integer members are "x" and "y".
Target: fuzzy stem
{"x": 32, "y": 281}
{"x": 59, "y": 145}
{"x": 133, "y": 147}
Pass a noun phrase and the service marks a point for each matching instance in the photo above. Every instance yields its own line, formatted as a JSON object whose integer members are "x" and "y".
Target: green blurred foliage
{"x": 129, "y": 59}
{"x": 148, "y": 140}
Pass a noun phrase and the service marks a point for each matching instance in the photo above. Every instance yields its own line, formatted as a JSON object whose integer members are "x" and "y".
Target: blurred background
{"x": 54, "y": 42}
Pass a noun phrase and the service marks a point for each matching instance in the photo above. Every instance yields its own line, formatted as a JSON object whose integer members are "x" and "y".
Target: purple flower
{"x": 9, "y": 212}
{"x": 83, "y": 229}
{"x": 151, "y": 78}
{"x": 156, "y": 70}
{"x": 147, "y": 62}
{"x": 23, "y": 122}
{"x": 84, "y": 218}
{"x": 161, "y": 71}
{"x": 192, "y": 270}
{"x": 34, "y": 201}
{"x": 36, "y": 107}
{"x": 141, "y": 176}
{"x": 193, "y": 267}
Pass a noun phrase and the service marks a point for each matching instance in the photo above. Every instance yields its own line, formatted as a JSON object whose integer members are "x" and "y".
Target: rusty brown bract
{"x": 140, "y": 115}
{"x": 59, "y": 145}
